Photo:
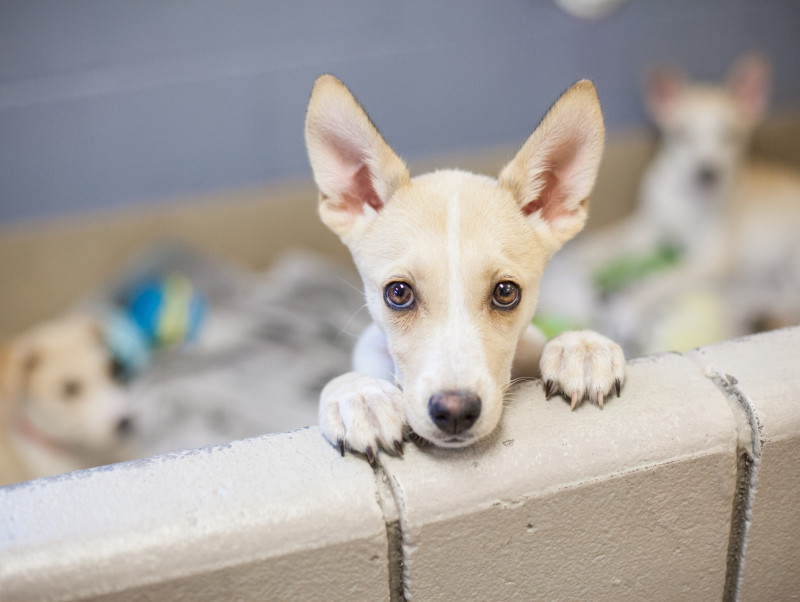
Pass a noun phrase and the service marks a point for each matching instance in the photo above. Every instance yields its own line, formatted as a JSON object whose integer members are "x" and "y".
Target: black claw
{"x": 370, "y": 454}
{"x": 340, "y": 444}
{"x": 549, "y": 389}
{"x": 617, "y": 386}
{"x": 398, "y": 448}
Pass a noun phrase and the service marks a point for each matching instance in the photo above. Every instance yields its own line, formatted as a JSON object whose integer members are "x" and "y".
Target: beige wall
{"x": 47, "y": 266}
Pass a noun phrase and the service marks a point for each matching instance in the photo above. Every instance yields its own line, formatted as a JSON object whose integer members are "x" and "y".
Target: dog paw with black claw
{"x": 362, "y": 414}
{"x": 582, "y": 365}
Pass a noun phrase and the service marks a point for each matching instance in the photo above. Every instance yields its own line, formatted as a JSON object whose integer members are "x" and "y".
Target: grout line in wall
{"x": 749, "y": 456}
{"x": 394, "y": 535}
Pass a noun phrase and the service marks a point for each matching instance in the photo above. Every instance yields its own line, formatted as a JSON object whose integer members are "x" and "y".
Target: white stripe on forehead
{"x": 452, "y": 348}
{"x": 463, "y": 347}
{"x": 453, "y": 233}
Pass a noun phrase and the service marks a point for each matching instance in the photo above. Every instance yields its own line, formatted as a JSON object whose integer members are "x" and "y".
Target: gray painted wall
{"x": 118, "y": 103}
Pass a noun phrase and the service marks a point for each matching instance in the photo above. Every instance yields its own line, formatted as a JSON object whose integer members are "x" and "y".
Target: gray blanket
{"x": 267, "y": 346}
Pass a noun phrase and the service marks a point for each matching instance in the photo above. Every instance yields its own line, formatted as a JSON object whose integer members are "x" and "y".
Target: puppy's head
{"x": 58, "y": 378}
{"x": 706, "y": 128}
{"x": 451, "y": 261}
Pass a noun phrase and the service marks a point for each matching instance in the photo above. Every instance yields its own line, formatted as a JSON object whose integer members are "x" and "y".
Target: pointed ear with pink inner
{"x": 554, "y": 172}
{"x": 750, "y": 82}
{"x": 356, "y": 172}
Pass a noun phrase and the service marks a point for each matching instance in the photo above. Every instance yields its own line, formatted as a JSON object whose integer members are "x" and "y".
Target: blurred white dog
{"x": 711, "y": 250}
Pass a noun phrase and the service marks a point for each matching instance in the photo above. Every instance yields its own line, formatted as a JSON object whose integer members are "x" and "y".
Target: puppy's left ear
{"x": 663, "y": 87}
{"x": 554, "y": 172}
{"x": 750, "y": 83}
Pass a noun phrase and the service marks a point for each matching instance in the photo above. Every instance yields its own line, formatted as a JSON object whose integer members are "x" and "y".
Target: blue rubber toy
{"x": 169, "y": 311}
{"x": 157, "y": 314}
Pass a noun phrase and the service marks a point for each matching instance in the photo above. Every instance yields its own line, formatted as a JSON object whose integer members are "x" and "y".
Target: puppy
{"x": 734, "y": 220}
{"x": 451, "y": 263}
{"x": 61, "y": 410}
{"x": 711, "y": 249}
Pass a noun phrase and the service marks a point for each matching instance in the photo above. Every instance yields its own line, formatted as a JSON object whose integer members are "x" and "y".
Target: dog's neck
{"x": 27, "y": 431}
{"x": 42, "y": 455}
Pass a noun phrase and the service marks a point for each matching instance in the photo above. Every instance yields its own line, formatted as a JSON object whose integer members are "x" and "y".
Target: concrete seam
{"x": 394, "y": 534}
{"x": 749, "y": 455}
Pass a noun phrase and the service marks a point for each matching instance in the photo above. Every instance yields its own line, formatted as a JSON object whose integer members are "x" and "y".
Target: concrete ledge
{"x": 645, "y": 499}
{"x": 268, "y": 518}
{"x": 629, "y": 502}
{"x": 761, "y": 372}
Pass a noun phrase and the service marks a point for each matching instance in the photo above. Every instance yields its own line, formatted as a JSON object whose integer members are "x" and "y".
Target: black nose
{"x": 707, "y": 176}
{"x": 125, "y": 426}
{"x": 454, "y": 411}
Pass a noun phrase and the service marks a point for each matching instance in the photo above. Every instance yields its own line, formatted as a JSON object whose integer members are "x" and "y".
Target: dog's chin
{"x": 457, "y": 441}
{"x": 447, "y": 440}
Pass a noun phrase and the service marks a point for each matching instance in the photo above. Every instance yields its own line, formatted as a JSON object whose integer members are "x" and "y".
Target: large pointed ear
{"x": 554, "y": 172}
{"x": 355, "y": 170}
{"x": 749, "y": 82}
{"x": 662, "y": 87}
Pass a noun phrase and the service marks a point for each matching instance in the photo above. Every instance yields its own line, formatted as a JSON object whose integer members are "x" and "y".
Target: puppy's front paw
{"x": 363, "y": 414}
{"x": 582, "y": 364}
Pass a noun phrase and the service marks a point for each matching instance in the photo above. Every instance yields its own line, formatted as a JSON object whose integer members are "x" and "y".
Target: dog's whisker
{"x": 505, "y": 395}
{"x": 343, "y": 329}
{"x": 522, "y": 379}
{"x": 355, "y": 287}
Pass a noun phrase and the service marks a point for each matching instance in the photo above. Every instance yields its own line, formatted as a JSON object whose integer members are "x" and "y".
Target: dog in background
{"x": 711, "y": 250}
{"x": 451, "y": 263}
{"x": 60, "y": 408}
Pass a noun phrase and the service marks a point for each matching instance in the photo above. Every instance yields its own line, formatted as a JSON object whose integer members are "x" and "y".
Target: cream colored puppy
{"x": 451, "y": 263}
{"x": 61, "y": 410}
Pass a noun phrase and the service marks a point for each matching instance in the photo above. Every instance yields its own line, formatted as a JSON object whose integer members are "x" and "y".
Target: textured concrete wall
{"x": 685, "y": 488}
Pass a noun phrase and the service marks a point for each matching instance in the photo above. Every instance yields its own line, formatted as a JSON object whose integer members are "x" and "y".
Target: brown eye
{"x": 399, "y": 295}
{"x": 70, "y": 389}
{"x": 506, "y": 295}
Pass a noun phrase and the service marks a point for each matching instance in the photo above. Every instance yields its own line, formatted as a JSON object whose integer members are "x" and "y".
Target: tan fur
{"x": 61, "y": 409}
{"x": 451, "y": 236}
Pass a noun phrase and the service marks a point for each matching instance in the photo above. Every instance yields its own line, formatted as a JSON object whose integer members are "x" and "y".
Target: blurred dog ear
{"x": 662, "y": 86}
{"x": 554, "y": 172}
{"x": 750, "y": 84}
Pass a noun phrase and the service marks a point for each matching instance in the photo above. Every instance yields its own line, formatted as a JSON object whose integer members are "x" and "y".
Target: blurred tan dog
{"x": 711, "y": 250}
{"x": 451, "y": 263}
{"x": 60, "y": 408}
{"x": 734, "y": 220}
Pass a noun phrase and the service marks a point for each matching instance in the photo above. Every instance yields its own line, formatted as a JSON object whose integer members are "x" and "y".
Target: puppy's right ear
{"x": 662, "y": 86}
{"x": 355, "y": 170}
